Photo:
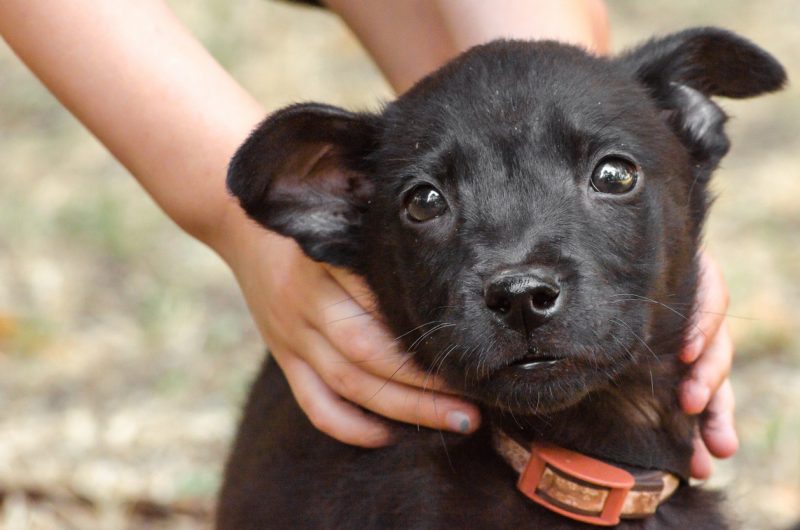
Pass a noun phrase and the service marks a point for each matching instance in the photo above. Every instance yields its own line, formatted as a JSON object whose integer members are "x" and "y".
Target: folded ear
{"x": 684, "y": 69}
{"x": 304, "y": 173}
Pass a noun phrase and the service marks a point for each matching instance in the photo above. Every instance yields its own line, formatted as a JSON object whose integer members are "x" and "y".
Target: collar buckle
{"x": 575, "y": 485}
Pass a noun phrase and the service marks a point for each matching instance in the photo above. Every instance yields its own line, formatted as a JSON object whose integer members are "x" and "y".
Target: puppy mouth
{"x": 526, "y": 364}
{"x": 536, "y": 360}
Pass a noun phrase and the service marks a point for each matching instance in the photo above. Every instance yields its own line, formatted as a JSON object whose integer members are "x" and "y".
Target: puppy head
{"x": 528, "y": 215}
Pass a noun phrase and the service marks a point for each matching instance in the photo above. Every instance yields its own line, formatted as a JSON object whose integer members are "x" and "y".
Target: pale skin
{"x": 135, "y": 77}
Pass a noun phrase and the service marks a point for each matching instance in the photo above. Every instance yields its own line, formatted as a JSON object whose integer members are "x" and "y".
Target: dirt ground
{"x": 125, "y": 347}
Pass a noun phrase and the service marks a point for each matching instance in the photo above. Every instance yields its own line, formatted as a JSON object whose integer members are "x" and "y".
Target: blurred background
{"x": 126, "y": 349}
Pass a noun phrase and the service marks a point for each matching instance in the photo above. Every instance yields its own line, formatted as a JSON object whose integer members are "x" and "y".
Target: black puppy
{"x": 528, "y": 217}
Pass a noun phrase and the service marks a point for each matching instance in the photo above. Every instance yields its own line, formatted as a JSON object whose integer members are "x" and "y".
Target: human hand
{"x": 338, "y": 357}
{"x": 707, "y": 389}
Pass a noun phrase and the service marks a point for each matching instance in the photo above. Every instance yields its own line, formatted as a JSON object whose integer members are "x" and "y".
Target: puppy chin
{"x": 526, "y": 399}
{"x": 540, "y": 388}
{"x": 541, "y": 385}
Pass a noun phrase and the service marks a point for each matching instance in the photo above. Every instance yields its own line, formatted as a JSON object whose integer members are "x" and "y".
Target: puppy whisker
{"x": 393, "y": 356}
{"x": 627, "y": 351}
{"x": 357, "y": 315}
{"x": 396, "y": 339}
{"x": 640, "y": 298}
{"x": 388, "y": 379}
{"x": 619, "y": 321}
{"x": 428, "y": 333}
{"x": 684, "y": 304}
{"x": 351, "y": 298}
{"x": 387, "y": 358}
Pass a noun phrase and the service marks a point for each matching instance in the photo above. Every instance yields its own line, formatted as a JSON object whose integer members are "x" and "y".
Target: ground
{"x": 125, "y": 347}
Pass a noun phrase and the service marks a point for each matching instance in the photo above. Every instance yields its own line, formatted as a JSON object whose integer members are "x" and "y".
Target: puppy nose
{"x": 524, "y": 299}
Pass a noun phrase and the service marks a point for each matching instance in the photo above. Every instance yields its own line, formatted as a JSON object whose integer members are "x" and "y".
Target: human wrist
{"x": 232, "y": 233}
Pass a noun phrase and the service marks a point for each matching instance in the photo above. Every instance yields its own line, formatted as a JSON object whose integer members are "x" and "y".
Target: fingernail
{"x": 457, "y": 421}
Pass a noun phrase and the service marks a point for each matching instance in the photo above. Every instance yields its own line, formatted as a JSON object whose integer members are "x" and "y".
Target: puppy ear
{"x": 304, "y": 173}
{"x": 684, "y": 69}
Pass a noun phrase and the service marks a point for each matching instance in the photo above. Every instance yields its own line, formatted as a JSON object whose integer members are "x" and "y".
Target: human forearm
{"x": 580, "y": 22}
{"x": 148, "y": 90}
{"x": 412, "y": 38}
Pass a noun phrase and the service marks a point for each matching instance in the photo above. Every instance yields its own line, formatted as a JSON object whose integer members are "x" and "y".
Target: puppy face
{"x": 527, "y": 216}
{"x": 533, "y": 216}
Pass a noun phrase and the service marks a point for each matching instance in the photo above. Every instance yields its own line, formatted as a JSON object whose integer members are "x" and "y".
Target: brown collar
{"x": 581, "y": 487}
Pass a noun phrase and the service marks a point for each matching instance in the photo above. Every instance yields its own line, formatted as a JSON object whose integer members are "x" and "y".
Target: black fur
{"x": 509, "y": 133}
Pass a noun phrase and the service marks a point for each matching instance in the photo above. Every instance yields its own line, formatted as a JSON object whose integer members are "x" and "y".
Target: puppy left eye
{"x": 615, "y": 175}
{"x": 425, "y": 203}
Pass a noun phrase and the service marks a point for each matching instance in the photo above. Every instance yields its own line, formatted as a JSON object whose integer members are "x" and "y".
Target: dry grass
{"x": 125, "y": 348}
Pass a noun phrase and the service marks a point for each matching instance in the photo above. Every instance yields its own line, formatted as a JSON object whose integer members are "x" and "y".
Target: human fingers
{"x": 288, "y": 299}
{"x": 282, "y": 286}
{"x": 701, "y": 463}
{"x": 716, "y": 435}
{"x": 363, "y": 341}
{"x": 708, "y": 373}
{"x": 717, "y": 425}
{"x": 712, "y": 304}
{"x": 349, "y": 319}
{"x": 385, "y": 396}
{"x": 327, "y": 411}
{"x": 354, "y": 286}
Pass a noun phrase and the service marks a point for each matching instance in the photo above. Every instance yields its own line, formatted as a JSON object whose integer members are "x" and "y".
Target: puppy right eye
{"x": 424, "y": 203}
